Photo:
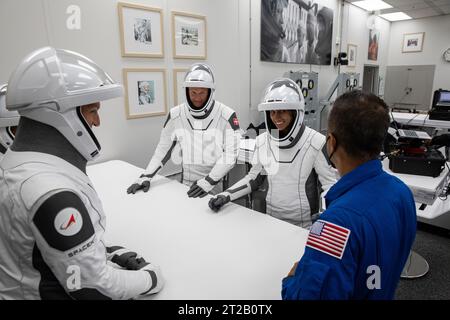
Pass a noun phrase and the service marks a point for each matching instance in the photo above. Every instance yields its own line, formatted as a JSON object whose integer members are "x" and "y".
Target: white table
{"x": 419, "y": 119}
{"x": 234, "y": 254}
{"x": 416, "y": 266}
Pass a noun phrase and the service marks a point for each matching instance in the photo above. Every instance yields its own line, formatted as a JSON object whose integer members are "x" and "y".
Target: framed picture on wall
{"x": 351, "y": 54}
{"x": 178, "y": 78}
{"x": 189, "y": 36}
{"x": 145, "y": 92}
{"x": 413, "y": 42}
{"x": 290, "y": 32}
{"x": 141, "y": 31}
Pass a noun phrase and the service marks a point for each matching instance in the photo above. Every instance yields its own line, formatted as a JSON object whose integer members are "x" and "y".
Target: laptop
{"x": 412, "y": 134}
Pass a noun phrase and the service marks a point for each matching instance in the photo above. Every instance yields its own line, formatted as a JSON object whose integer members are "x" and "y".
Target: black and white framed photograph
{"x": 351, "y": 54}
{"x": 374, "y": 40}
{"x": 189, "y": 36}
{"x": 296, "y": 31}
{"x": 145, "y": 94}
{"x": 141, "y": 31}
{"x": 178, "y": 79}
{"x": 413, "y": 42}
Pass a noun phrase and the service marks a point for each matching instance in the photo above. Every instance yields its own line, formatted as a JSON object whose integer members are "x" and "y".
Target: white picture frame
{"x": 141, "y": 31}
{"x": 413, "y": 42}
{"x": 189, "y": 36}
{"x": 178, "y": 79}
{"x": 352, "y": 51}
{"x": 145, "y": 92}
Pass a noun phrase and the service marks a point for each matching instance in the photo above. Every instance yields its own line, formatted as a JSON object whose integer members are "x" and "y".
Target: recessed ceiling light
{"x": 372, "y": 5}
{"x": 395, "y": 16}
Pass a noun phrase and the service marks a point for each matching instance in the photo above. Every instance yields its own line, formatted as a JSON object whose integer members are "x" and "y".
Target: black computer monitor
{"x": 444, "y": 97}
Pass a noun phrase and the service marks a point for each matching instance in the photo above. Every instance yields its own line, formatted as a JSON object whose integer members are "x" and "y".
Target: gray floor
{"x": 434, "y": 246}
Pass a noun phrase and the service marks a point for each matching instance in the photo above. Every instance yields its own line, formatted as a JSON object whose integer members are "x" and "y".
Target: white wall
{"x": 436, "y": 41}
{"x": 355, "y": 28}
{"x": 44, "y": 23}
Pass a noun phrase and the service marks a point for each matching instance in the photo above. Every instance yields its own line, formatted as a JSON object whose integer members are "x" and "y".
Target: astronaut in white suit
{"x": 8, "y": 123}
{"x": 291, "y": 155}
{"x": 207, "y": 132}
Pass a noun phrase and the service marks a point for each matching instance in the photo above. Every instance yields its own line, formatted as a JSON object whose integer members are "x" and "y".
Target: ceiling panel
{"x": 417, "y": 8}
{"x": 441, "y": 2}
{"x": 396, "y": 3}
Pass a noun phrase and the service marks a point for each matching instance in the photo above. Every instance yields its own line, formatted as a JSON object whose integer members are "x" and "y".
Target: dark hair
{"x": 359, "y": 121}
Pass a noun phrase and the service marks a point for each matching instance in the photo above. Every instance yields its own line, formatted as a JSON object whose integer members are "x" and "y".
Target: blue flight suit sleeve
{"x": 323, "y": 276}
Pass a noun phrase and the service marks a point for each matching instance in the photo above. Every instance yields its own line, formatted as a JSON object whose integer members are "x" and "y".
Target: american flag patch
{"x": 328, "y": 238}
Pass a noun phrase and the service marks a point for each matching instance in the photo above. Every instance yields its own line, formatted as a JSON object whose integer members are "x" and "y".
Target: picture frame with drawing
{"x": 145, "y": 92}
{"x": 189, "y": 39}
{"x": 374, "y": 41}
{"x": 141, "y": 31}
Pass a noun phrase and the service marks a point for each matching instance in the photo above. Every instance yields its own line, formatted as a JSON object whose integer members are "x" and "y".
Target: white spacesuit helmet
{"x": 200, "y": 76}
{"x": 283, "y": 94}
{"x": 50, "y": 86}
{"x": 8, "y": 119}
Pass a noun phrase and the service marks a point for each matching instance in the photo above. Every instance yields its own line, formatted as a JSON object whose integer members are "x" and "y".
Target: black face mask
{"x": 332, "y": 153}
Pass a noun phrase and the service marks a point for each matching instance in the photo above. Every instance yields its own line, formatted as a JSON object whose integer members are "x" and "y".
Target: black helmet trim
{"x": 286, "y": 83}
{"x": 200, "y": 67}
{"x": 10, "y": 133}
{"x": 2, "y": 149}
{"x": 204, "y": 108}
{"x": 291, "y": 131}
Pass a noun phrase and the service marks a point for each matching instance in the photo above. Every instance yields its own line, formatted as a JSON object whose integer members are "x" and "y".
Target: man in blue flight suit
{"x": 359, "y": 246}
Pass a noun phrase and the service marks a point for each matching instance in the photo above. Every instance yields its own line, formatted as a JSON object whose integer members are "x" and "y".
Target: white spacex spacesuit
{"x": 208, "y": 136}
{"x": 296, "y": 165}
{"x": 8, "y": 120}
{"x": 52, "y": 222}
